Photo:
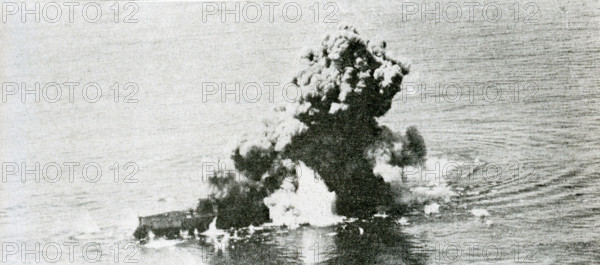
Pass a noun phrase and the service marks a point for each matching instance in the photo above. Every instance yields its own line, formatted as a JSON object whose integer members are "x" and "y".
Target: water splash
{"x": 213, "y": 230}
{"x": 218, "y": 237}
{"x": 431, "y": 208}
{"x": 311, "y": 203}
{"x": 162, "y": 243}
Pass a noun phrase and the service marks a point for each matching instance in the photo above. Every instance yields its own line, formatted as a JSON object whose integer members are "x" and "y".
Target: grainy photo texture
{"x": 299, "y": 132}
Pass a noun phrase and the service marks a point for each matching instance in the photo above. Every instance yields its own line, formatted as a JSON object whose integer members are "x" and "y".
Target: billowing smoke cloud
{"x": 332, "y": 129}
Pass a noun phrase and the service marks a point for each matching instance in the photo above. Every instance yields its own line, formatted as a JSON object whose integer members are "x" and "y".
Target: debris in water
{"x": 480, "y": 212}
{"x": 402, "y": 221}
{"x": 381, "y": 215}
{"x": 165, "y": 199}
{"x": 432, "y": 208}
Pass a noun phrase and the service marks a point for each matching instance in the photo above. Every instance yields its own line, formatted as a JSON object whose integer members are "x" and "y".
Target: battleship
{"x": 176, "y": 224}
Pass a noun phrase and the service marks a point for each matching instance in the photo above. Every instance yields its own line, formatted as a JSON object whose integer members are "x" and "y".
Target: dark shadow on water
{"x": 381, "y": 242}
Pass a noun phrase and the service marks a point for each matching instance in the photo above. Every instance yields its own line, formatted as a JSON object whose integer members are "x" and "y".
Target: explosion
{"x": 333, "y": 131}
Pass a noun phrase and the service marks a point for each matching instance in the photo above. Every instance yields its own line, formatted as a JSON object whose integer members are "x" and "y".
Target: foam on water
{"x": 480, "y": 212}
{"x": 162, "y": 243}
{"x": 431, "y": 208}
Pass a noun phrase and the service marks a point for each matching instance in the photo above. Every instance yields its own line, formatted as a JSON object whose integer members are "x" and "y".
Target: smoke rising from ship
{"x": 332, "y": 130}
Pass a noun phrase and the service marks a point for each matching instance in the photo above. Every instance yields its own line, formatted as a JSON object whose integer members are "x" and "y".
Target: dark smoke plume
{"x": 348, "y": 83}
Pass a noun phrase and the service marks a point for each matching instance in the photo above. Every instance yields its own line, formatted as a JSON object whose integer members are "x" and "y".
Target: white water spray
{"x": 311, "y": 203}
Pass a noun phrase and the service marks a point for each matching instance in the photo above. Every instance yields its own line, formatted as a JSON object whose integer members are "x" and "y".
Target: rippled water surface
{"x": 548, "y": 135}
